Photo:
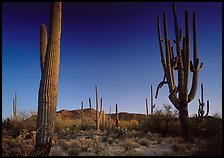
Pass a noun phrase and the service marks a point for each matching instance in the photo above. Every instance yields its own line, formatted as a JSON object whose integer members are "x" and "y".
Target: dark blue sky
{"x": 112, "y": 45}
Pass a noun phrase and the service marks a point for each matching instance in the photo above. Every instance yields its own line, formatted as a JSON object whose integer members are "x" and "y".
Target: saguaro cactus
{"x": 109, "y": 122}
{"x": 90, "y": 106}
{"x": 103, "y": 120}
{"x": 179, "y": 95}
{"x": 117, "y": 117}
{"x": 48, "y": 90}
{"x": 200, "y": 117}
{"x": 152, "y": 101}
{"x": 14, "y": 108}
{"x": 146, "y": 106}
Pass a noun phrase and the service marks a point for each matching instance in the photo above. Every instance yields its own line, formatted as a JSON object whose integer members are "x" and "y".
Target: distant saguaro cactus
{"x": 48, "y": 90}
{"x": 98, "y": 114}
{"x": 117, "y": 117}
{"x": 90, "y": 106}
{"x": 81, "y": 115}
{"x": 103, "y": 120}
{"x": 109, "y": 121}
{"x": 179, "y": 95}
{"x": 146, "y": 105}
{"x": 200, "y": 117}
{"x": 14, "y": 108}
{"x": 152, "y": 101}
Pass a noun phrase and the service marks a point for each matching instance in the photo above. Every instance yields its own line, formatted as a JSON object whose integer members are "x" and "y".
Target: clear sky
{"x": 112, "y": 45}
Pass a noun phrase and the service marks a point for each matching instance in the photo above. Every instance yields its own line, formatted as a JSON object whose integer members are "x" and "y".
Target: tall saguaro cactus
{"x": 179, "y": 95}
{"x": 201, "y": 111}
{"x": 152, "y": 101}
{"x": 14, "y": 108}
{"x": 48, "y": 90}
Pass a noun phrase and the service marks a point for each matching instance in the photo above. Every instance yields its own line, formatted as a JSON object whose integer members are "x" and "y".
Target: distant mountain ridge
{"x": 75, "y": 114}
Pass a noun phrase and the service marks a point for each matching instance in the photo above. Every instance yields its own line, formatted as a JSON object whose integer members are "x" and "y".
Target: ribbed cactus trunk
{"x": 14, "y": 109}
{"x": 146, "y": 106}
{"x": 48, "y": 90}
{"x": 117, "y": 117}
{"x": 179, "y": 95}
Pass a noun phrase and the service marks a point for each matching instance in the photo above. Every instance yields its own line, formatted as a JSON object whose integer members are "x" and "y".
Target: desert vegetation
{"x": 93, "y": 132}
{"x": 144, "y": 135}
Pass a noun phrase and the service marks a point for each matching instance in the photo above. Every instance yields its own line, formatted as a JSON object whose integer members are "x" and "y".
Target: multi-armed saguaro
{"x": 179, "y": 94}
{"x": 201, "y": 111}
{"x": 48, "y": 90}
{"x": 14, "y": 108}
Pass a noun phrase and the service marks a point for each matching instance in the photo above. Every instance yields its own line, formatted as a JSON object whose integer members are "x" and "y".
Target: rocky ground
{"x": 89, "y": 144}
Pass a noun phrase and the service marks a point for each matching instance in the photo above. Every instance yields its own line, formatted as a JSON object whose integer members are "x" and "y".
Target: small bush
{"x": 128, "y": 144}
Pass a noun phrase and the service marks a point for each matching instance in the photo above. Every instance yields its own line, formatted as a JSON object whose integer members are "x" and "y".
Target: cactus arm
{"x": 194, "y": 68}
{"x": 207, "y": 109}
{"x": 169, "y": 77}
{"x": 186, "y": 56}
{"x": 160, "y": 85}
{"x": 160, "y": 45}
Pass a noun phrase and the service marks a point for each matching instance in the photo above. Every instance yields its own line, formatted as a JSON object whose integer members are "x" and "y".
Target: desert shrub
{"x": 13, "y": 128}
{"x": 124, "y": 124}
{"x": 119, "y": 132}
{"x": 203, "y": 129}
{"x": 162, "y": 121}
{"x": 128, "y": 144}
{"x": 62, "y": 123}
{"x": 133, "y": 125}
{"x": 144, "y": 142}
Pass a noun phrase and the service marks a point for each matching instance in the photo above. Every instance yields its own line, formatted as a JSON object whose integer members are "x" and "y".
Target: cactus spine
{"x": 117, "y": 117}
{"x": 179, "y": 96}
{"x": 147, "y": 108}
{"x": 48, "y": 90}
{"x": 14, "y": 108}
{"x": 200, "y": 117}
{"x": 152, "y": 102}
